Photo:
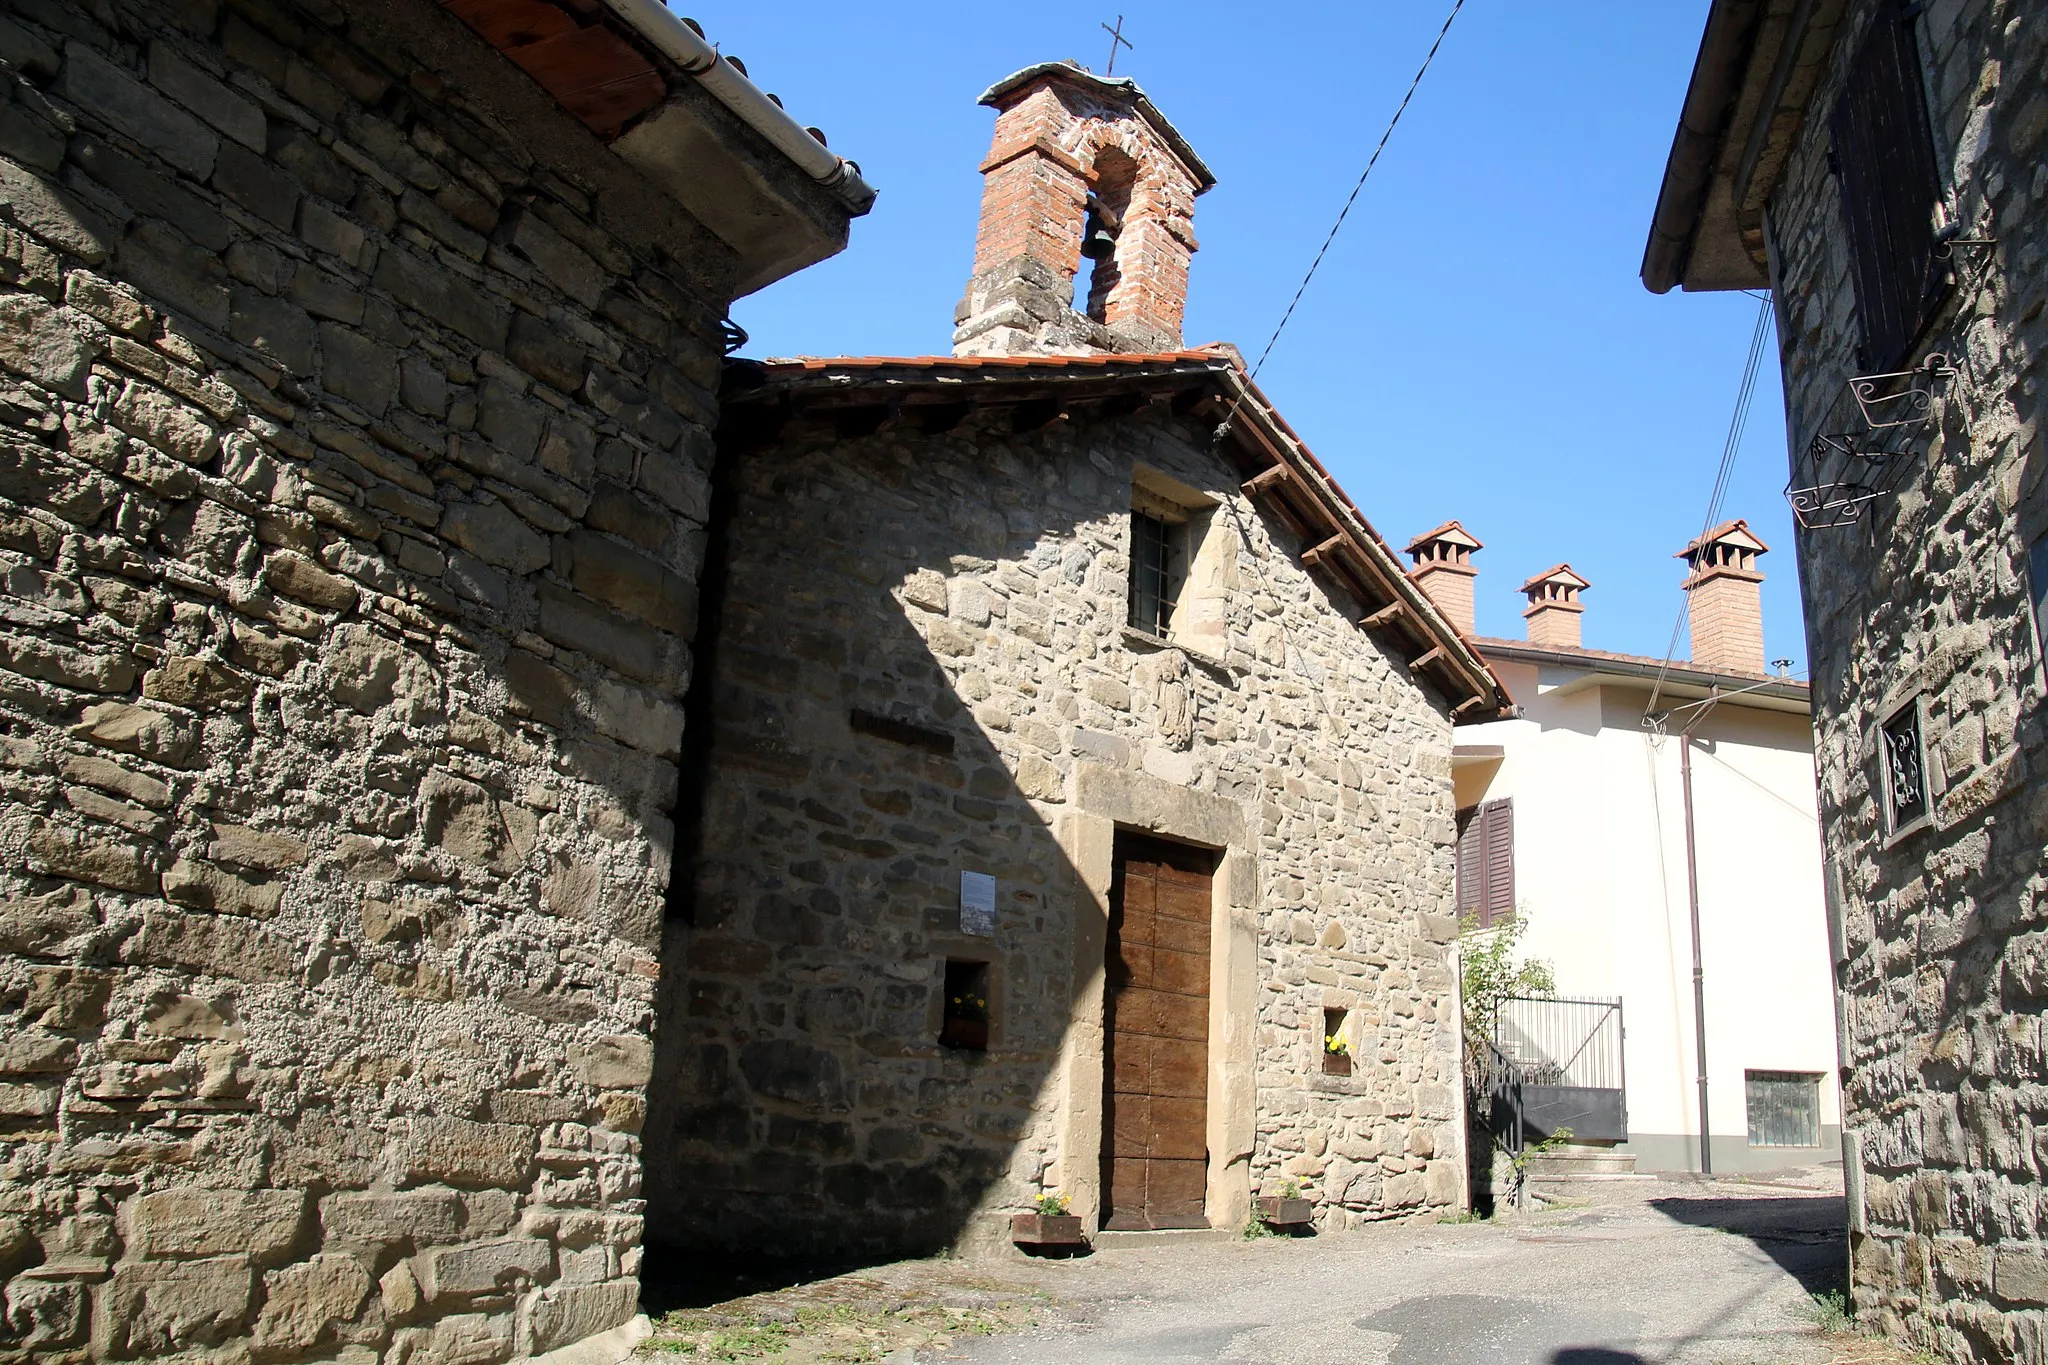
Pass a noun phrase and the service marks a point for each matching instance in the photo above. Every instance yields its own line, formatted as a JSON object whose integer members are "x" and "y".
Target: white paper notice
{"x": 977, "y": 903}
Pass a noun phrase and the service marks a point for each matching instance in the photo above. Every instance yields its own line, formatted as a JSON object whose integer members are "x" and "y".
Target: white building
{"x": 1575, "y": 816}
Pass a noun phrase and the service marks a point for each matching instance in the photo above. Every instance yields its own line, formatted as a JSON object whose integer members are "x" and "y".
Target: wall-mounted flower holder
{"x": 1903, "y": 398}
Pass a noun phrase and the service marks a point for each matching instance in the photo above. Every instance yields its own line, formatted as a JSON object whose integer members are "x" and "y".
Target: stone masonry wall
{"x": 1944, "y": 944}
{"x": 973, "y": 585}
{"x": 354, "y": 410}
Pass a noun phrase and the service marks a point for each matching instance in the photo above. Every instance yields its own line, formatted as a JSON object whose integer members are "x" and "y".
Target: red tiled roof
{"x": 1592, "y": 657}
{"x": 813, "y": 363}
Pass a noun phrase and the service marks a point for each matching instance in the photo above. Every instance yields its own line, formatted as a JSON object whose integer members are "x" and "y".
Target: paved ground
{"x": 1719, "y": 1273}
{"x": 1690, "y": 1273}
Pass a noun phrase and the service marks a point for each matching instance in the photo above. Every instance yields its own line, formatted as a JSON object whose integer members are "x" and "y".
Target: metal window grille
{"x": 1784, "y": 1108}
{"x": 1151, "y": 574}
{"x": 1905, "y": 769}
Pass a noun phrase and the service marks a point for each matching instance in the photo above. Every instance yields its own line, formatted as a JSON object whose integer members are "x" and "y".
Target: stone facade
{"x": 920, "y": 664}
{"x": 1920, "y": 609}
{"x": 355, "y": 412}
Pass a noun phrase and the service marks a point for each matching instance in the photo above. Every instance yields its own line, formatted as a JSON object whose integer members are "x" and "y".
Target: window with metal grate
{"x": 1152, "y": 574}
{"x": 1904, "y": 755}
{"x": 1883, "y": 158}
{"x": 1784, "y": 1108}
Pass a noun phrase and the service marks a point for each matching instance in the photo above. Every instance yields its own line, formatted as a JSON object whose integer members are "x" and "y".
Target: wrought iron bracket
{"x": 1970, "y": 258}
{"x": 1836, "y": 479}
{"x": 1902, "y": 398}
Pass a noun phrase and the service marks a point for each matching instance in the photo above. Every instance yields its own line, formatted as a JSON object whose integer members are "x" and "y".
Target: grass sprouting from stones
{"x": 849, "y": 1319}
{"x": 1832, "y": 1313}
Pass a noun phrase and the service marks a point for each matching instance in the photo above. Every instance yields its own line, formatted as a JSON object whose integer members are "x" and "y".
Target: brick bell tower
{"x": 1087, "y": 211}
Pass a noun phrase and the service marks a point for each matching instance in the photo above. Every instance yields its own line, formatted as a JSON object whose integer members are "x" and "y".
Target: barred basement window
{"x": 1904, "y": 756}
{"x": 1784, "y": 1108}
{"x": 1883, "y": 158}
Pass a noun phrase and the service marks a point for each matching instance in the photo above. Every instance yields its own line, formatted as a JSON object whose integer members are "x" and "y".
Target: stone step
{"x": 1160, "y": 1237}
{"x": 1573, "y": 1163}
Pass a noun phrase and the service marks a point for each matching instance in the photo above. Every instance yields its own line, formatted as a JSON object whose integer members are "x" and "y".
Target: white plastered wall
{"x": 1600, "y": 869}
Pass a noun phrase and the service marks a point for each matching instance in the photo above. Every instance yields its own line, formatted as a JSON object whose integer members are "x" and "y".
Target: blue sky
{"x": 1477, "y": 345}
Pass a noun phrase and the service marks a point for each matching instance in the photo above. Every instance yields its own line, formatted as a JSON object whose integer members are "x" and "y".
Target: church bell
{"x": 1098, "y": 237}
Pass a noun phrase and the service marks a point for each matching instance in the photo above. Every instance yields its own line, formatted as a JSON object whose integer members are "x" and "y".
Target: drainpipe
{"x": 684, "y": 46}
{"x": 1699, "y": 982}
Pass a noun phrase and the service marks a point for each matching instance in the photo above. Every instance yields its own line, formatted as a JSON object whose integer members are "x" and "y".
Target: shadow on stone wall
{"x": 802, "y": 1104}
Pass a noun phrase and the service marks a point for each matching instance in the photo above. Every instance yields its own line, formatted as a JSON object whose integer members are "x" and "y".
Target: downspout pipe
{"x": 685, "y": 47}
{"x": 1699, "y": 980}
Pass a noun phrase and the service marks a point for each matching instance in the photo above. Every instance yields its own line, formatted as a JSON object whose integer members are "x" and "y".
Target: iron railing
{"x": 1563, "y": 1042}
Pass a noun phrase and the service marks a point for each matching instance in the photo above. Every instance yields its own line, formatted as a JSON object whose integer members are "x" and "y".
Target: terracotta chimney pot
{"x": 1554, "y": 607}
{"x": 1444, "y": 570}
{"x": 1727, "y": 608}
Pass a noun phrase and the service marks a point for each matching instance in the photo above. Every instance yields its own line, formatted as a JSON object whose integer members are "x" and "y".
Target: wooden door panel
{"x": 1180, "y": 1069}
{"x": 1182, "y": 974}
{"x": 1155, "y": 1152}
{"x": 1175, "y": 1193}
{"x": 1180, "y": 1128}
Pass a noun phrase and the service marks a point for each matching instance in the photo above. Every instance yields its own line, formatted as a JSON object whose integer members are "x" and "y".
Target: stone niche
{"x": 354, "y": 423}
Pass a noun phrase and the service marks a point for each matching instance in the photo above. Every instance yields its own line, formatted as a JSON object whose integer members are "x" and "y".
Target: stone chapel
{"x": 1066, "y": 799}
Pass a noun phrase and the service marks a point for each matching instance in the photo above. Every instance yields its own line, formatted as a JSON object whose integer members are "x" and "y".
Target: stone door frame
{"x": 1102, "y": 800}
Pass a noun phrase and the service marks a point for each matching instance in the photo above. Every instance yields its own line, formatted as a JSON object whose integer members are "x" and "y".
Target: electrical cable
{"x": 1737, "y": 422}
{"x": 1245, "y": 389}
{"x": 1346, "y": 210}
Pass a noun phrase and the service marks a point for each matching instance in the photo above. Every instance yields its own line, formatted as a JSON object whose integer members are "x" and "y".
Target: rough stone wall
{"x": 974, "y": 585}
{"x": 353, "y": 433}
{"x": 1944, "y": 941}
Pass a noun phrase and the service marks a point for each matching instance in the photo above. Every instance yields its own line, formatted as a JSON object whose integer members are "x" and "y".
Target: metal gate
{"x": 1565, "y": 1057}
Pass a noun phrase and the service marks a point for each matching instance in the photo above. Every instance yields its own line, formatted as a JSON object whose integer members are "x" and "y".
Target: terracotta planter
{"x": 1336, "y": 1064}
{"x": 1283, "y": 1212}
{"x": 1046, "y": 1230}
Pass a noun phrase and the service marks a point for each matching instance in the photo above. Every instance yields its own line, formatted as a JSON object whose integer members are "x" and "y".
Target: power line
{"x": 1737, "y": 421}
{"x": 1346, "y": 210}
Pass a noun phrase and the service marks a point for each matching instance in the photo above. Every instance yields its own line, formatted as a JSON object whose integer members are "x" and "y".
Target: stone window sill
{"x": 1147, "y": 640}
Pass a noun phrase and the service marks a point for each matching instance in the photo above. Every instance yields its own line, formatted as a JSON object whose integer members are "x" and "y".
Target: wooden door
{"x": 1155, "y": 1119}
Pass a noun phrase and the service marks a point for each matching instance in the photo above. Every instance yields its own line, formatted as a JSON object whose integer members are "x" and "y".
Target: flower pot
{"x": 1336, "y": 1064}
{"x": 1046, "y": 1230}
{"x": 1281, "y": 1211}
{"x": 969, "y": 1035}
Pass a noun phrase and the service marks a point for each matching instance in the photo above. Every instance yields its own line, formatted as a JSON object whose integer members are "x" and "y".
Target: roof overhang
{"x": 1758, "y": 65}
{"x": 686, "y": 117}
{"x": 1682, "y": 682}
{"x": 935, "y": 393}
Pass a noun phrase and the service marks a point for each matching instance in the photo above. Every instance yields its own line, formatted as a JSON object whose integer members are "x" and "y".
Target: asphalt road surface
{"x": 1716, "y": 1273}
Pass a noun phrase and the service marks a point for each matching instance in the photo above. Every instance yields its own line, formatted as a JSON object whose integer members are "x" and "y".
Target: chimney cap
{"x": 1735, "y": 533}
{"x": 1106, "y": 87}
{"x": 1559, "y": 574}
{"x": 1450, "y": 531}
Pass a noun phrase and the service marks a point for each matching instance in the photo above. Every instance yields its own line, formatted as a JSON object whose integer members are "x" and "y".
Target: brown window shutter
{"x": 1471, "y": 863}
{"x": 1500, "y": 862}
{"x": 1883, "y": 151}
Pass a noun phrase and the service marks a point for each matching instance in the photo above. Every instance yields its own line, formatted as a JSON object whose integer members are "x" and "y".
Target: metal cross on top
{"x": 1116, "y": 40}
